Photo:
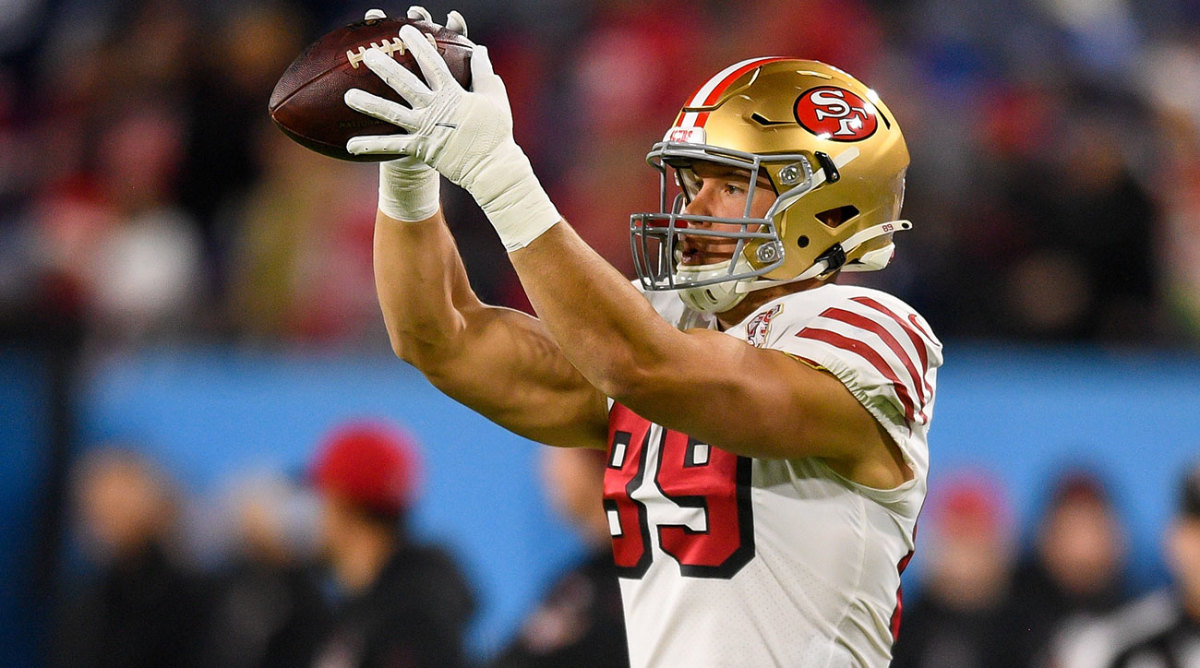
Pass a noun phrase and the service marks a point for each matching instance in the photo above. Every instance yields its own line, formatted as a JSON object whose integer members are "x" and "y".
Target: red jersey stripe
{"x": 863, "y": 322}
{"x": 867, "y": 353}
{"x": 919, "y": 342}
{"x": 900, "y": 595}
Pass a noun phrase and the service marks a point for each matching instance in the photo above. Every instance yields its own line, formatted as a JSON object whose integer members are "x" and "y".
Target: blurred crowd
{"x": 324, "y": 570}
{"x": 991, "y": 598}
{"x": 145, "y": 195}
{"x": 312, "y": 570}
{"x": 321, "y": 569}
{"x": 1061, "y": 597}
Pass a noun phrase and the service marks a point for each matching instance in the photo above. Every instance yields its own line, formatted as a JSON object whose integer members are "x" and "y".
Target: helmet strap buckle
{"x": 834, "y": 258}
{"x": 832, "y": 175}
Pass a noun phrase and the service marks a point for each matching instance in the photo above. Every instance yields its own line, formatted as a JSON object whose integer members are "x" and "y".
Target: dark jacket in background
{"x": 265, "y": 616}
{"x": 414, "y": 616}
{"x": 144, "y": 611}
{"x": 580, "y": 623}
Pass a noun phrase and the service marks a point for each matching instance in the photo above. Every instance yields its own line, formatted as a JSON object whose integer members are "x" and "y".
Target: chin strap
{"x": 835, "y": 258}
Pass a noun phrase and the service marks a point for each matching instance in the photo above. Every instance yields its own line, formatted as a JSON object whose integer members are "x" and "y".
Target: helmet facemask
{"x": 832, "y": 154}
{"x": 655, "y": 237}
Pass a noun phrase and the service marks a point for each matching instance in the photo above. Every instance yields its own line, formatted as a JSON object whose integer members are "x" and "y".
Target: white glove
{"x": 465, "y": 135}
{"x": 409, "y": 190}
{"x": 454, "y": 21}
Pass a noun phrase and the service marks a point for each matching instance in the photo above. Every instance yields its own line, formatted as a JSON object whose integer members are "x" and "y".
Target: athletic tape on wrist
{"x": 408, "y": 194}
{"x": 517, "y": 206}
{"x": 522, "y": 215}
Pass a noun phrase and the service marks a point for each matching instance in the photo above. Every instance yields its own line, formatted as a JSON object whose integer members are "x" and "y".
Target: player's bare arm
{"x": 500, "y": 362}
{"x": 749, "y": 401}
{"x": 604, "y": 327}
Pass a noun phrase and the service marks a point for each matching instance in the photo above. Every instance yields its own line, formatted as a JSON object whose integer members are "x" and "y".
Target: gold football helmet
{"x": 829, "y": 147}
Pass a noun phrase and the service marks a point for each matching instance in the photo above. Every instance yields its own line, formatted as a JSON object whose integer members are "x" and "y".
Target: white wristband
{"x": 408, "y": 192}
{"x": 517, "y": 206}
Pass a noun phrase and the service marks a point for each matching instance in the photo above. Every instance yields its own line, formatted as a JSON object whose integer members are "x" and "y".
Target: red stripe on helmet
{"x": 723, "y": 84}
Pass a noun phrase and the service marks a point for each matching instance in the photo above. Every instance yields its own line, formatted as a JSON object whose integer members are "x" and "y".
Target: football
{"x": 307, "y": 101}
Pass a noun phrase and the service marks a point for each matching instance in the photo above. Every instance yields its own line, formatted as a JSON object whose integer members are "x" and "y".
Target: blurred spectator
{"x": 580, "y": 622}
{"x": 962, "y": 617}
{"x": 657, "y": 41}
{"x": 399, "y": 603}
{"x": 1087, "y": 269}
{"x": 1054, "y": 161}
{"x": 300, "y": 249}
{"x": 112, "y": 237}
{"x": 269, "y": 609}
{"x": 251, "y": 44}
{"x": 139, "y": 607}
{"x": 1076, "y": 569}
{"x": 1163, "y": 629}
{"x": 1173, "y": 84}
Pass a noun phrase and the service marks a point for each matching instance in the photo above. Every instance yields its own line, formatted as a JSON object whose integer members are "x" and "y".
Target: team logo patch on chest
{"x": 837, "y": 114}
{"x": 760, "y": 326}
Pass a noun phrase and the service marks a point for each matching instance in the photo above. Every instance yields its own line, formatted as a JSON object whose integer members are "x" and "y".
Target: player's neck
{"x": 757, "y": 298}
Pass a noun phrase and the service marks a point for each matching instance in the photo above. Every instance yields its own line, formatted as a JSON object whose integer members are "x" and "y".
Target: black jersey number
{"x": 690, "y": 474}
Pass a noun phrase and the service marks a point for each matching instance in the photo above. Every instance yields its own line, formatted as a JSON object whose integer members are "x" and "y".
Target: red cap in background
{"x": 370, "y": 464}
{"x": 969, "y": 502}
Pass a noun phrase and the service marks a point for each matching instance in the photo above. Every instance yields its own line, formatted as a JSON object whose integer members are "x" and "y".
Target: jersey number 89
{"x": 689, "y": 474}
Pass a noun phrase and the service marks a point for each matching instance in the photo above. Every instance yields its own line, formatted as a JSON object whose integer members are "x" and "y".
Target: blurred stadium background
{"x": 178, "y": 278}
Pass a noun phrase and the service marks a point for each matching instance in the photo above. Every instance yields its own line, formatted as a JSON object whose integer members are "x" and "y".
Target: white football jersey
{"x": 735, "y": 561}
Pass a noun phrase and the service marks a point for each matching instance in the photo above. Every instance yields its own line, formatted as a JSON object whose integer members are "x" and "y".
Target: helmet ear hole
{"x": 834, "y": 218}
{"x": 802, "y": 241}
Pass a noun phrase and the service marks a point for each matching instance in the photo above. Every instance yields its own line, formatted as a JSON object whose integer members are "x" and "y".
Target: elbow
{"x": 628, "y": 380}
{"x": 426, "y": 353}
{"x": 420, "y": 356}
{"x": 437, "y": 367}
{"x": 399, "y": 349}
{"x": 404, "y": 348}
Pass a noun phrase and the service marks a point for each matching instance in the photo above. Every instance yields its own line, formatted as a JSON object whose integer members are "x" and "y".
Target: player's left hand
{"x": 409, "y": 190}
{"x": 464, "y": 134}
{"x": 449, "y": 128}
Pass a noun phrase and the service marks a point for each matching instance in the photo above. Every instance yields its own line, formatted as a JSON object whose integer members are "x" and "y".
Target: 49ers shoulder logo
{"x": 760, "y": 326}
{"x": 836, "y": 113}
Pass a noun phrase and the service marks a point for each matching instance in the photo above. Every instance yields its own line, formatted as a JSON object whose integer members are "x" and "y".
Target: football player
{"x": 765, "y": 427}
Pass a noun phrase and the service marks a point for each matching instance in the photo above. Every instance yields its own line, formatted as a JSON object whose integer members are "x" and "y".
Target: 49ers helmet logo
{"x": 836, "y": 113}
